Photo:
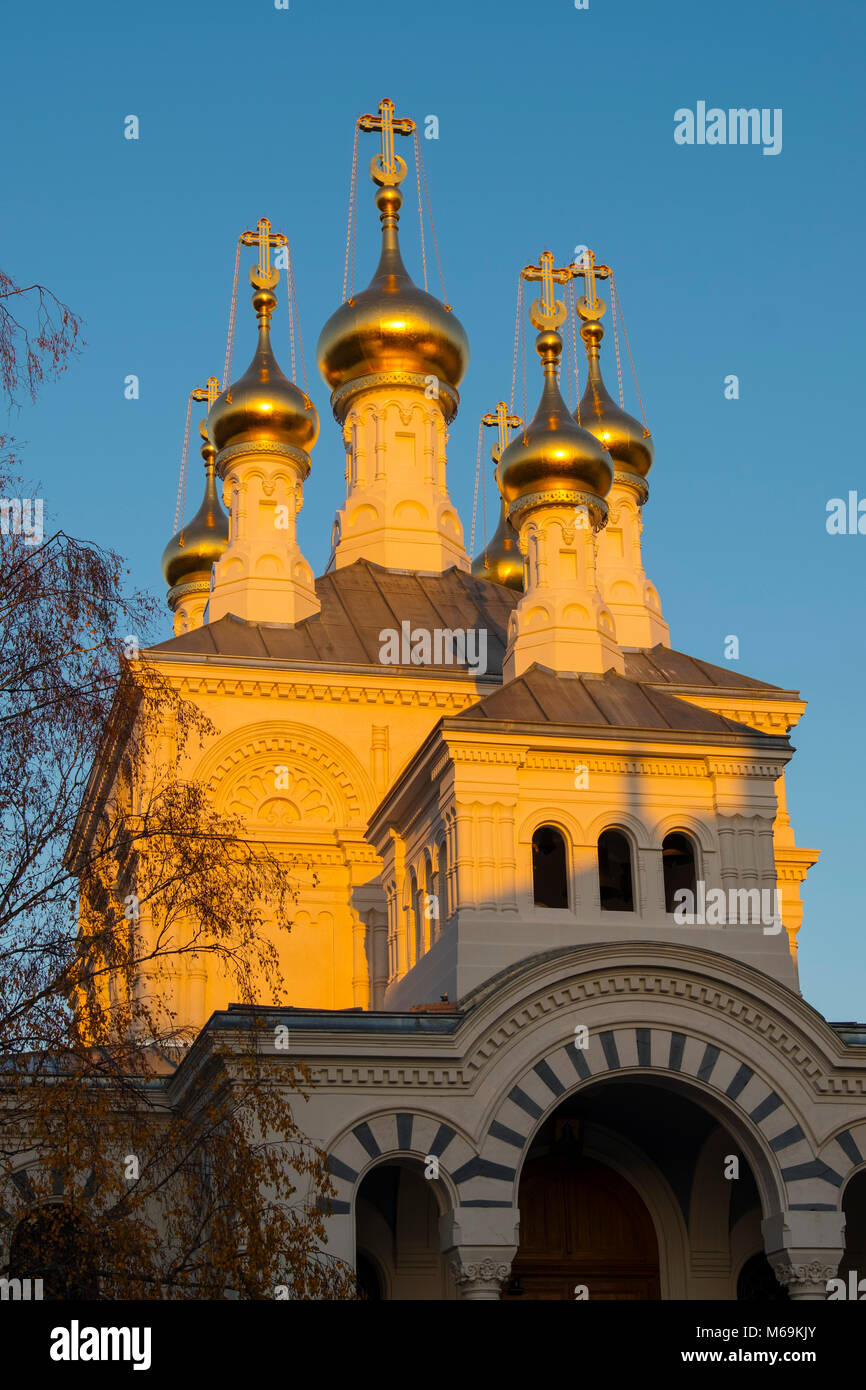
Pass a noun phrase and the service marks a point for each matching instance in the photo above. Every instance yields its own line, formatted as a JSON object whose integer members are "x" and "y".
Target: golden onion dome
{"x": 393, "y": 327}
{"x": 198, "y": 545}
{"x": 500, "y": 561}
{"x": 553, "y": 453}
{"x": 263, "y": 406}
{"x": 628, "y": 443}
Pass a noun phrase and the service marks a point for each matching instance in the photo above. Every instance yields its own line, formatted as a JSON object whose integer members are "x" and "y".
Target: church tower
{"x": 555, "y": 477}
{"x": 190, "y": 555}
{"x": 393, "y": 357}
{"x": 629, "y": 595}
{"x": 263, "y": 427}
{"x": 501, "y": 561}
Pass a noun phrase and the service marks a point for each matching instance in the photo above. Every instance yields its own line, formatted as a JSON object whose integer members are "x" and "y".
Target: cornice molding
{"x": 271, "y": 449}
{"x": 667, "y": 767}
{"x": 338, "y": 694}
{"x": 687, "y": 987}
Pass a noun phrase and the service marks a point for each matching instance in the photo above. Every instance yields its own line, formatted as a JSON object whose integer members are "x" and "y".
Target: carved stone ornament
{"x": 263, "y": 446}
{"x": 559, "y": 497}
{"x": 448, "y": 399}
{"x": 485, "y": 1271}
{"x": 813, "y": 1273}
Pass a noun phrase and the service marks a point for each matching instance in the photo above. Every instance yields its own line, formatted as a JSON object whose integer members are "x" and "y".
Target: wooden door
{"x": 581, "y": 1223}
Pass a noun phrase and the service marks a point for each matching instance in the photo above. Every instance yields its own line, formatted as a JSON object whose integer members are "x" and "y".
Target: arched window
{"x": 441, "y": 889}
{"x": 678, "y": 864}
{"x": 413, "y": 926}
{"x": 549, "y": 868}
{"x": 614, "y": 872}
{"x": 426, "y": 904}
{"x": 51, "y": 1243}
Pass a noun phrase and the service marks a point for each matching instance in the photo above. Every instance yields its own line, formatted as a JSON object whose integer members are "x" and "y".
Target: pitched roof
{"x": 358, "y": 603}
{"x": 657, "y": 664}
{"x": 542, "y": 696}
{"x": 363, "y": 599}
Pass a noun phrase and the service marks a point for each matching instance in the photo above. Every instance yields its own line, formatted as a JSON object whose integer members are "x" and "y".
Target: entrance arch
{"x": 654, "y": 1150}
{"x": 398, "y": 1250}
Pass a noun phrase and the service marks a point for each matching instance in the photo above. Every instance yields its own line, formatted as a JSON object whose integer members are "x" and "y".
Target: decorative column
{"x": 480, "y": 1278}
{"x": 479, "y": 1244}
{"x": 804, "y": 1249}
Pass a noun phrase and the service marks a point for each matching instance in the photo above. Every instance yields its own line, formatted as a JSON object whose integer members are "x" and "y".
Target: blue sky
{"x": 555, "y": 129}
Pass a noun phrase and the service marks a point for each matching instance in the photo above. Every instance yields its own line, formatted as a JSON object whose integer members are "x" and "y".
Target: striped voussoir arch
{"x": 400, "y": 1133}
{"x": 811, "y": 1183}
{"x": 486, "y": 1178}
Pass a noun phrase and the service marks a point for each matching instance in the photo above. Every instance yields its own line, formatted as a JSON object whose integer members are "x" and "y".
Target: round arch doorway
{"x": 581, "y": 1224}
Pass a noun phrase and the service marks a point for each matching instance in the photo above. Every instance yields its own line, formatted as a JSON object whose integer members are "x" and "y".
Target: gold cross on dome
{"x": 589, "y": 306}
{"x": 264, "y": 276}
{"x": 504, "y": 421}
{"x": 547, "y": 312}
{"x": 207, "y": 393}
{"x": 387, "y": 167}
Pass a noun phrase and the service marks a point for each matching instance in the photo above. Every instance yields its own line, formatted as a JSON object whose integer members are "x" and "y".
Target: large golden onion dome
{"x": 628, "y": 443}
{"x": 501, "y": 561}
{"x": 393, "y": 327}
{"x": 263, "y": 406}
{"x": 189, "y": 555}
{"x": 553, "y": 454}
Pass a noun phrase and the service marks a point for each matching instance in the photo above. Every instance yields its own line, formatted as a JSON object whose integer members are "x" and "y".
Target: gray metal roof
{"x": 542, "y": 696}
{"x": 656, "y": 664}
{"x": 363, "y": 599}
{"x": 358, "y": 603}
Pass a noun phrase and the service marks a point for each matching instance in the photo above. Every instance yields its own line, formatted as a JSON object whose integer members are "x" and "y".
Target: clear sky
{"x": 556, "y": 128}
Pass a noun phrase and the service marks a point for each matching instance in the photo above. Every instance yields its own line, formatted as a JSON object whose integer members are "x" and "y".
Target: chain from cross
{"x": 264, "y": 276}
{"x": 504, "y": 422}
{"x": 589, "y": 306}
{"x": 547, "y": 312}
{"x": 387, "y": 168}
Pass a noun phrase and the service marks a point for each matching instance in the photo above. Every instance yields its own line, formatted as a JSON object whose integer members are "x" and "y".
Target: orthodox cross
{"x": 387, "y": 167}
{"x": 589, "y": 306}
{"x": 547, "y": 312}
{"x": 207, "y": 393}
{"x": 264, "y": 276}
{"x": 504, "y": 421}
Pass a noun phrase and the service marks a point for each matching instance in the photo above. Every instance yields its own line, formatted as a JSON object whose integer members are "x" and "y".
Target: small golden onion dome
{"x": 263, "y": 406}
{"x": 500, "y": 561}
{"x": 392, "y": 326}
{"x": 190, "y": 554}
{"x": 629, "y": 445}
{"x": 553, "y": 453}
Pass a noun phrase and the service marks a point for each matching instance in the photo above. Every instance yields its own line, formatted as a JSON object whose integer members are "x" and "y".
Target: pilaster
{"x": 397, "y": 512}
{"x": 263, "y": 577}
{"x": 631, "y": 598}
{"x": 561, "y": 620}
